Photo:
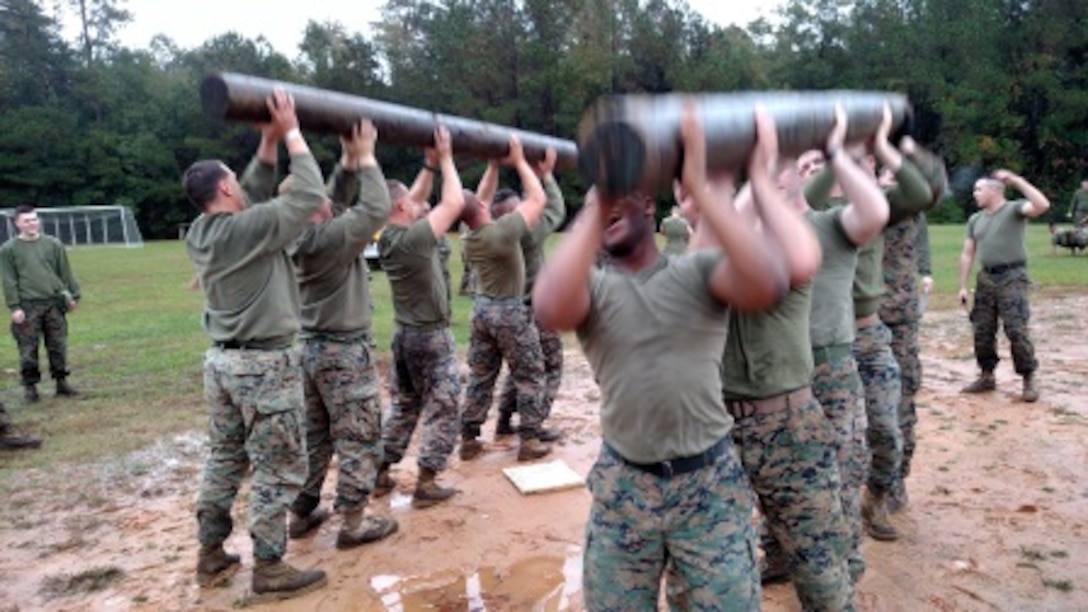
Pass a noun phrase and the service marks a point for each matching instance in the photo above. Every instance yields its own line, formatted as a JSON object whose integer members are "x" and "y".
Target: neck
{"x": 643, "y": 255}
{"x": 29, "y": 236}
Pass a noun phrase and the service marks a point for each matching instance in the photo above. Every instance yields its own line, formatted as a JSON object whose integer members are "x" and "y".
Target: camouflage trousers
{"x": 425, "y": 385}
{"x": 551, "y": 345}
{"x": 790, "y": 458}
{"x": 343, "y": 414}
{"x": 255, "y": 408}
{"x": 503, "y": 329}
{"x": 695, "y": 529}
{"x": 45, "y": 319}
{"x": 1003, "y": 298}
{"x": 837, "y": 386}
{"x": 879, "y": 373}
{"x": 905, "y": 349}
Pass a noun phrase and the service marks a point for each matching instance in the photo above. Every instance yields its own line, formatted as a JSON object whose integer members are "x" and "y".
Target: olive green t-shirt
{"x": 654, "y": 339}
{"x": 494, "y": 252}
{"x": 999, "y": 236}
{"x": 409, "y": 256}
{"x": 332, "y": 273}
{"x": 831, "y": 320}
{"x": 1078, "y": 207}
{"x": 769, "y": 353}
{"x": 247, "y": 276}
{"x": 676, "y": 233}
{"x": 36, "y": 270}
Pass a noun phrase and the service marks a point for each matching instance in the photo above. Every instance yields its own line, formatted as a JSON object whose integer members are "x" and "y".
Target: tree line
{"x": 994, "y": 83}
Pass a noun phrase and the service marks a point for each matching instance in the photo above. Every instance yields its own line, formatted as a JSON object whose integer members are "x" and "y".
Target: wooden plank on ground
{"x": 543, "y": 477}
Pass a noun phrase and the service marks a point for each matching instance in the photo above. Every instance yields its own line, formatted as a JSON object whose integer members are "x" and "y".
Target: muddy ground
{"x": 998, "y": 517}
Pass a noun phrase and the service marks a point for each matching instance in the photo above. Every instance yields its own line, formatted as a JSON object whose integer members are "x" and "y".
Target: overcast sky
{"x": 192, "y": 22}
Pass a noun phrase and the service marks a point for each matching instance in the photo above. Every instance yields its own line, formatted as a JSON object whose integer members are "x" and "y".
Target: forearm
{"x": 752, "y": 258}
{"x": 421, "y": 188}
{"x": 489, "y": 183}
{"x": 259, "y": 179}
{"x": 533, "y": 197}
{"x": 554, "y": 210}
{"x": 789, "y": 230}
{"x": 965, "y": 269}
{"x": 818, "y": 188}
{"x": 343, "y": 186}
{"x": 561, "y": 292}
{"x": 1039, "y": 202}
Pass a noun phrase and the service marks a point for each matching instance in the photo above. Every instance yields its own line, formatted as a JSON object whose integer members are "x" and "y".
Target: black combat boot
{"x": 66, "y": 390}
{"x": 31, "y": 396}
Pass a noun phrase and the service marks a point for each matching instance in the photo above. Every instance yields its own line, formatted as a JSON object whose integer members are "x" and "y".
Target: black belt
{"x": 255, "y": 345}
{"x": 675, "y": 467}
{"x": 1001, "y": 268}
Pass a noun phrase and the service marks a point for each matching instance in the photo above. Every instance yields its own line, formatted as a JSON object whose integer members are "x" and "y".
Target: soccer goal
{"x": 83, "y": 225}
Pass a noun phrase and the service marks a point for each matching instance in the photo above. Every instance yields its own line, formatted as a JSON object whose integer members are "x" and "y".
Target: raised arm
{"x": 259, "y": 178}
{"x": 793, "y": 234}
{"x": 421, "y": 188}
{"x": 448, "y": 210}
{"x": 555, "y": 208}
{"x": 533, "y": 198}
{"x": 561, "y": 298}
{"x": 751, "y": 274}
{"x": 866, "y": 213}
{"x": 371, "y": 204}
{"x": 1037, "y": 203}
{"x": 489, "y": 183}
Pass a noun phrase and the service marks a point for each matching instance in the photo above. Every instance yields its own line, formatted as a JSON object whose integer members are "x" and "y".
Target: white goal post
{"x": 83, "y": 225}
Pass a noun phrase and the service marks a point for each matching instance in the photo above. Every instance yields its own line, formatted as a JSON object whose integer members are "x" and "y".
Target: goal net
{"x": 80, "y": 225}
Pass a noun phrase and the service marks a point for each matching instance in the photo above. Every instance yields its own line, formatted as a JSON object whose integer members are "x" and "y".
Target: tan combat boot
{"x": 274, "y": 580}
{"x": 984, "y": 382}
{"x": 471, "y": 448}
{"x": 897, "y": 498}
{"x": 384, "y": 483}
{"x": 300, "y": 526}
{"x": 1031, "y": 392}
{"x": 428, "y": 492}
{"x": 359, "y": 529}
{"x": 214, "y": 566}
{"x": 874, "y": 517}
{"x": 531, "y": 448}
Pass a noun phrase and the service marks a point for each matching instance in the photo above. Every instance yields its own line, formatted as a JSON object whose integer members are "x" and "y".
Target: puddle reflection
{"x": 544, "y": 583}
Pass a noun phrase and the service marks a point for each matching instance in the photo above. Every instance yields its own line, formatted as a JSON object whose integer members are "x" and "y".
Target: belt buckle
{"x": 667, "y": 469}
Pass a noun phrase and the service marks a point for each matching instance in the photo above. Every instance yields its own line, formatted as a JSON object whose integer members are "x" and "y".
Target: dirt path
{"x": 998, "y": 517}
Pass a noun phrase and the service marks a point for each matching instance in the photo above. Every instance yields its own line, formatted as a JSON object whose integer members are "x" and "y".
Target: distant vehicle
{"x": 373, "y": 261}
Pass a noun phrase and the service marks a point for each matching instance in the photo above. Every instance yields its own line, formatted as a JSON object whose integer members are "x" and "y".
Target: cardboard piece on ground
{"x": 543, "y": 477}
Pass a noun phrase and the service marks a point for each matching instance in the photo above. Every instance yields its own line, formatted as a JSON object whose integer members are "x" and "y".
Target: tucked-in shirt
{"x": 409, "y": 256}
{"x": 831, "y": 320}
{"x": 36, "y": 269}
{"x": 654, "y": 339}
{"x": 494, "y": 251}
{"x": 332, "y": 272}
{"x": 999, "y": 235}
{"x": 242, "y": 260}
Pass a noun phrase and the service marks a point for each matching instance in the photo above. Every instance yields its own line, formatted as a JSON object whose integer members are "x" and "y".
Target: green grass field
{"x": 136, "y": 344}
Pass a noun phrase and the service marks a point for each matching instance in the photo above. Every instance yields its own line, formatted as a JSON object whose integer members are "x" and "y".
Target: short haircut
{"x": 396, "y": 189}
{"x": 201, "y": 181}
{"x": 992, "y": 183}
{"x": 501, "y": 196}
{"x": 23, "y": 209}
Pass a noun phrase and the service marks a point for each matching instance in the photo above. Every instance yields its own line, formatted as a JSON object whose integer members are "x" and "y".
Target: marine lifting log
{"x": 242, "y": 97}
{"x": 632, "y": 142}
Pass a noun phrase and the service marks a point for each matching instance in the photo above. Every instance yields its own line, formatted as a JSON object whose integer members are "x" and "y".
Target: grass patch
{"x": 136, "y": 346}
{"x": 1065, "y": 586}
{"x": 89, "y": 581}
{"x": 1032, "y": 554}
